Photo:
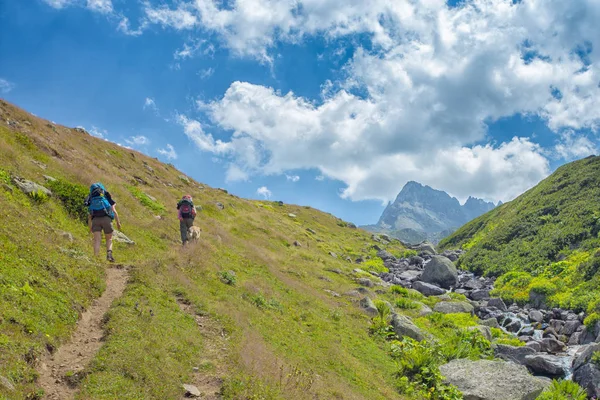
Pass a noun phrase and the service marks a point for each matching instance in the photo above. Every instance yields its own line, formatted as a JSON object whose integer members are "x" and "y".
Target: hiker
{"x": 101, "y": 208}
{"x": 186, "y": 215}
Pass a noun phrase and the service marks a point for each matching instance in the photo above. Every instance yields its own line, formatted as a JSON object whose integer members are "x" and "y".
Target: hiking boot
{"x": 109, "y": 256}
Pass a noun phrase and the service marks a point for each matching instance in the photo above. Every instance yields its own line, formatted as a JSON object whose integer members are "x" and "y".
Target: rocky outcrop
{"x": 440, "y": 271}
{"x": 492, "y": 380}
{"x": 586, "y": 373}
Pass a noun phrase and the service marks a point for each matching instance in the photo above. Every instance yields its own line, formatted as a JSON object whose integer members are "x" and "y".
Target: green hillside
{"x": 264, "y": 306}
{"x": 543, "y": 244}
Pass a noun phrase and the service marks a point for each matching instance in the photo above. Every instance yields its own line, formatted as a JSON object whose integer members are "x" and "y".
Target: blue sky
{"x": 330, "y": 103}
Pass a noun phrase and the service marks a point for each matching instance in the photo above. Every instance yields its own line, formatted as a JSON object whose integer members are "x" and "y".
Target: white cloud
{"x": 6, "y": 86}
{"x": 124, "y": 26}
{"x": 179, "y": 18}
{"x": 149, "y": 103}
{"x": 319, "y": 178}
{"x": 263, "y": 191}
{"x": 206, "y": 73}
{"x": 572, "y": 146}
{"x": 139, "y": 140}
{"x": 292, "y": 178}
{"x": 97, "y": 132}
{"x": 169, "y": 152}
{"x": 101, "y": 6}
{"x": 235, "y": 174}
{"x": 58, "y": 3}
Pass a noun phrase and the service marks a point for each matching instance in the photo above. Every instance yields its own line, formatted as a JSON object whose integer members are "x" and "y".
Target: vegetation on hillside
{"x": 545, "y": 243}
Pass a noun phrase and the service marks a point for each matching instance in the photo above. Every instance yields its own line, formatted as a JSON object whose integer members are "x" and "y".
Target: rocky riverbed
{"x": 557, "y": 343}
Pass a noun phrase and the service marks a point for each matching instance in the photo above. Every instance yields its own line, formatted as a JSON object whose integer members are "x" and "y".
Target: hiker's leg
{"x": 109, "y": 242}
{"x": 183, "y": 231}
{"x": 97, "y": 240}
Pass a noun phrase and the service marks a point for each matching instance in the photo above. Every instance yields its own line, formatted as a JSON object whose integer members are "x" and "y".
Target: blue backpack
{"x": 97, "y": 203}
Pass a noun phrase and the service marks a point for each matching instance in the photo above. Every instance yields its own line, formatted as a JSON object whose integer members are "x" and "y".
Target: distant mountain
{"x": 423, "y": 213}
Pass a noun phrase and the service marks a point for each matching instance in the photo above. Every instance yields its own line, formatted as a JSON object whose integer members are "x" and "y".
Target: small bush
{"x": 155, "y": 206}
{"x": 591, "y": 320}
{"x": 596, "y": 358}
{"x": 374, "y": 264}
{"x": 39, "y": 196}
{"x": 402, "y": 291}
{"x": 72, "y": 196}
{"x": 563, "y": 390}
{"x": 406, "y": 304}
{"x": 228, "y": 277}
{"x": 408, "y": 253}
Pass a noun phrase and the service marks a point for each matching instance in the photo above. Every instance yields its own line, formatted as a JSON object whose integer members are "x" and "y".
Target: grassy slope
{"x": 287, "y": 337}
{"x": 545, "y": 241}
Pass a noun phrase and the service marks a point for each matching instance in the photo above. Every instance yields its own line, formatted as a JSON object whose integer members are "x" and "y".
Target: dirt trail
{"x": 72, "y": 357}
{"x": 208, "y": 378}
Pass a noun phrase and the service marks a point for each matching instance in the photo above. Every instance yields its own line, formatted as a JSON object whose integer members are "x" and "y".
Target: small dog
{"x": 194, "y": 233}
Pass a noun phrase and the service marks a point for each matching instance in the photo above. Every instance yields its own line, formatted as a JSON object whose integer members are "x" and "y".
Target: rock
{"x": 352, "y": 225}
{"x": 352, "y": 293}
{"x": 6, "y": 384}
{"x": 492, "y": 380}
{"x": 574, "y": 339}
{"x": 546, "y": 364}
{"x": 365, "y": 282}
{"x": 440, "y": 271}
{"x": 480, "y": 294}
{"x": 570, "y": 327}
{"x": 385, "y": 237}
{"x": 292, "y": 215}
{"x": 550, "y": 345}
{"x": 403, "y": 326}
{"x": 68, "y": 236}
{"x": 444, "y": 297}
{"x": 424, "y": 310}
{"x": 537, "y": 300}
{"x": 512, "y": 353}
{"x": 536, "y": 316}
{"x": 184, "y": 178}
{"x": 297, "y": 243}
{"x": 49, "y": 178}
{"x": 485, "y": 331}
{"x": 120, "y": 237}
{"x": 427, "y": 289}
{"x": 498, "y": 303}
{"x": 527, "y": 331}
{"x": 332, "y": 254}
{"x": 426, "y": 248}
{"x": 220, "y": 206}
{"x": 534, "y": 345}
{"x": 410, "y": 276}
{"x": 491, "y": 322}
{"x": 384, "y": 255}
{"x": 29, "y": 187}
{"x": 585, "y": 355}
{"x": 331, "y": 292}
{"x": 473, "y": 284}
{"x": 416, "y": 260}
{"x": 514, "y": 325}
{"x": 448, "y": 307}
{"x": 368, "y": 306}
{"x": 311, "y": 231}
{"x": 588, "y": 377}
{"x": 191, "y": 391}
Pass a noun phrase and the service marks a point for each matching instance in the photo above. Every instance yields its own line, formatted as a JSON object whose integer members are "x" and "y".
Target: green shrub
{"x": 374, "y": 264}
{"x": 596, "y": 358}
{"x": 228, "y": 277}
{"x": 402, "y": 291}
{"x": 407, "y": 253}
{"x": 591, "y": 320}
{"x": 406, "y": 304}
{"x": 510, "y": 341}
{"x": 563, "y": 390}
{"x": 153, "y": 205}
{"x": 72, "y": 196}
{"x": 39, "y": 196}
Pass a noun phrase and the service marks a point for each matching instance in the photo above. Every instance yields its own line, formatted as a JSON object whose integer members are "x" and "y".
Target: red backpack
{"x": 186, "y": 206}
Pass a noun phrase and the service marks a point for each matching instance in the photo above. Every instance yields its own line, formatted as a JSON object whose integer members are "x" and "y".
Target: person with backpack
{"x": 186, "y": 214}
{"x": 101, "y": 213}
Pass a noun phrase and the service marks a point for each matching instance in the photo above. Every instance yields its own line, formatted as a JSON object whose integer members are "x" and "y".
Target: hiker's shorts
{"x": 100, "y": 224}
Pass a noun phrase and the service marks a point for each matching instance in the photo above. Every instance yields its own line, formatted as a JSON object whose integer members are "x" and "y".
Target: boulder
{"x": 428, "y": 289}
{"x": 384, "y": 255}
{"x": 368, "y": 306}
{"x": 491, "y": 322}
{"x": 403, "y": 326}
{"x": 536, "y": 316}
{"x": 425, "y": 310}
{"x": 473, "y": 284}
{"x": 480, "y": 294}
{"x": 120, "y": 237}
{"x": 513, "y": 353}
{"x": 534, "y": 345}
{"x": 547, "y": 365}
{"x": 29, "y": 187}
{"x": 498, "y": 303}
{"x": 492, "y": 380}
{"x": 410, "y": 276}
{"x": 365, "y": 282}
{"x": 485, "y": 331}
{"x": 191, "y": 391}
{"x": 588, "y": 377}
{"x": 426, "y": 248}
{"x": 585, "y": 355}
{"x": 570, "y": 327}
{"x": 449, "y": 307}
{"x": 440, "y": 271}
{"x": 415, "y": 260}
{"x": 550, "y": 345}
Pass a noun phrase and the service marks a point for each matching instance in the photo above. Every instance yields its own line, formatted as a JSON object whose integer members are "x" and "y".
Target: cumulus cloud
{"x": 6, "y": 86}
{"x": 572, "y": 146}
{"x": 292, "y": 178}
{"x": 169, "y": 152}
{"x": 101, "y": 6}
{"x": 139, "y": 140}
{"x": 264, "y": 192}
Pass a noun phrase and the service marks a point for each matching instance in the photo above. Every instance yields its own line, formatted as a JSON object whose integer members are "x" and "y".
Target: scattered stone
{"x": 120, "y": 237}
{"x": 403, "y": 326}
{"x": 512, "y": 353}
{"x": 426, "y": 248}
{"x": 448, "y": 307}
{"x": 440, "y": 271}
{"x": 191, "y": 391}
{"x": 498, "y": 303}
{"x": 365, "y": 282}
{"x": 40, "y": 164}
{"x": 311, "y": 231}
{"x": 29, "y": 187}
{"x": 485, "y": 331}
{"x": 68, "y": 236}
{"x": 426, "y": 288}
{"x": 546, "y": 364}
{"x": 184, "y": 178}
{"x": 368, "y": 306}
{"x": 49, "y": 178}
{"x": 492, "y": 380}
{"x": 292, "y": 215}
{"x": 491, "y": 322}
{"x": 220, "y": 205}
{"x": 6, "y": 384}
{"x": 331, "y": 292}
{"x": 297, "y": 243}
{"x": 332, "y": 254}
